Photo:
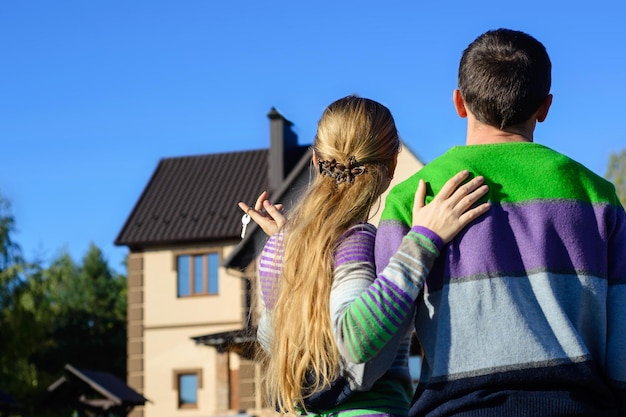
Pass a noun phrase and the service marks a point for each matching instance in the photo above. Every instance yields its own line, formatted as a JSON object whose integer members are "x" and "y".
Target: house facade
{"x": 191, "y": 277}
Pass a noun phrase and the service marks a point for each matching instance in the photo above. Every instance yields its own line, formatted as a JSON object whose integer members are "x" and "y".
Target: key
{"x": 244, "y": 223}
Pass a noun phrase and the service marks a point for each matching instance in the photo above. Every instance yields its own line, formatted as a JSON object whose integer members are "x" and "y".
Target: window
{"x": 197, "y": 274}
{"x": 186, "y": 384}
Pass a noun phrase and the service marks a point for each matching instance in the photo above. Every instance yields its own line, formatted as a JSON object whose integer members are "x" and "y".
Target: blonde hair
{"x": 303, "y": 343}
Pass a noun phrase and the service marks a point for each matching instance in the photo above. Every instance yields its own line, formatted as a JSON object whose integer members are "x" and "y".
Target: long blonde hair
{"x": 303, "y": 343}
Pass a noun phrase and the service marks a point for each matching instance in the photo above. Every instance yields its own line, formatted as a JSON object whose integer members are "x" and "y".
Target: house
{"x": 191, "y": 277}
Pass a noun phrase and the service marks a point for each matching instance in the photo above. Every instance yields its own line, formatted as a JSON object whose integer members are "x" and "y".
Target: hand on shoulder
{"x": 452, "y": 208}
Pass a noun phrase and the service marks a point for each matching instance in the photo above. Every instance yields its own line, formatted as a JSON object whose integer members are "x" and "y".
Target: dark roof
{"x": 194, "y": 198}
{"x": 241, "y": 341}
{"x": 226, "y": 338}
{"x": 76, "y": 382}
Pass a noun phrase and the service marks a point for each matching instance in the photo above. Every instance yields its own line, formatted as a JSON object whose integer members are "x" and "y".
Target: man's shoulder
{"x": 584, "y": 183}
{"x": 440, "y": 168}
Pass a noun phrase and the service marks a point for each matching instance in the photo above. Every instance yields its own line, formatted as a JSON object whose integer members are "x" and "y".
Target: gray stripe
{"x": 474, "y": 326}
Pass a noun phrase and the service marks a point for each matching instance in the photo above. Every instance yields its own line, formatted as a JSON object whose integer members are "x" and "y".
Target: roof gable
{"x": 91, "y": 390}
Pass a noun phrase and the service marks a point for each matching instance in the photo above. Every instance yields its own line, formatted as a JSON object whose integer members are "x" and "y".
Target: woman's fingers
{"x": 467, "y": 213}
{"x": 267, "y": 215}
{"x": 420, "y": 198}
{"x": 258, "y": 205}
{"x": 254, "y": 214}
{"x": 453, "y": 207}
{"x": 472, "y": 214}
{"x": 274, "y": 213}
{"x": 420, "y": 195}
{"x": 456, "y": 195}
{"x": 469, "y": 193}
{"x": 452, "y": 184}
{"x": 244, "y": 207}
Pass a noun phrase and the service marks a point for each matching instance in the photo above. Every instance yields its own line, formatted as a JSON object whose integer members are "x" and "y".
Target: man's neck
{"x": 481, "y": 134}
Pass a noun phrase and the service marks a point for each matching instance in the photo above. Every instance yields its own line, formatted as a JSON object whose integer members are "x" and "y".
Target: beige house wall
{"x": 170, "y": 322}
{"x": 164, "y": 308}
{"x": 170, "y": 350}
{"x": 408, "y": 164}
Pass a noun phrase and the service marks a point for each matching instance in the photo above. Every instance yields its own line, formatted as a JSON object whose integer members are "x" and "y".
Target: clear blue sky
{"x": 94, "y": 93}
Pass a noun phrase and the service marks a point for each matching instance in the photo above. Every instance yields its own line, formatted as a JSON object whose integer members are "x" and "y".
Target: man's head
{"x": 504, "y": 77}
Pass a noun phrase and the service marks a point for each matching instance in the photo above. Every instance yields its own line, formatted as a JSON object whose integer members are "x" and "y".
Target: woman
{"x": 318, "y": 276}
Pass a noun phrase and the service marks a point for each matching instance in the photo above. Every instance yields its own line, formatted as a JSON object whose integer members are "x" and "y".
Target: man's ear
{"x": 542, "y": 113}
{"x": 459, "y": 103}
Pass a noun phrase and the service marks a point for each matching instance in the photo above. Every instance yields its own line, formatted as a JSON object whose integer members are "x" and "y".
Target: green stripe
{"x": 359, "y": 337}
{"x": 359, "y": 321}
{"x": 554, "y": 177}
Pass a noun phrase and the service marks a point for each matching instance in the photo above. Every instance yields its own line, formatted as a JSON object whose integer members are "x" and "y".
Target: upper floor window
{"x": 197, "y": 274}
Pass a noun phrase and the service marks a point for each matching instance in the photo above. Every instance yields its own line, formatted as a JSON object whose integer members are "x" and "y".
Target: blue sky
{"x": 94, "y": 93}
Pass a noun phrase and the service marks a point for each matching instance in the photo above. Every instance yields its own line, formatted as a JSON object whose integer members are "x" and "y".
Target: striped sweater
{"x": 371, "y": 316}
{"x": 524, "y": 313}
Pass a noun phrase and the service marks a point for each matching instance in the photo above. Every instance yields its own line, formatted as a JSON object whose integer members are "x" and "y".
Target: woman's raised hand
{"x": 268, "y": 216}
{"x": 451, "y": 209}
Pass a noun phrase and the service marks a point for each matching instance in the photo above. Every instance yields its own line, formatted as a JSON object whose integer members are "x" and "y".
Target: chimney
{"x": 283, "y": 149}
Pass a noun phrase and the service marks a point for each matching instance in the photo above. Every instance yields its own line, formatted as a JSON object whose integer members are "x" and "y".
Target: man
{"x": 524, "y": 313}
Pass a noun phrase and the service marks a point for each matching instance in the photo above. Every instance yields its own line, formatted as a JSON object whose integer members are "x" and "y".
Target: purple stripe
{"x": 356, "y": 247}
{"x": 268, "y": 261}
{"x": 388, "y": 239}
{"x": 269, "y": 270}
{"x": 563, "y": 237}
{"x": 353, "y": 256}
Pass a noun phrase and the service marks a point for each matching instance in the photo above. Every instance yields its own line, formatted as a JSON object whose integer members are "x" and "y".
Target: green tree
{"x": 106, "y": 312}
{"x": 66, "y": 313}
{"x": 9, "y": 250}
{"x": 21, "y": 330}
{"x": 88, "y": 303}
{"x": 616, "y": 173}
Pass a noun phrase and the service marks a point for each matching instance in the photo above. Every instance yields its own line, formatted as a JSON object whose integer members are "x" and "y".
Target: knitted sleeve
{"x": 270, "y": 262}
{"x": 370, "y": 314}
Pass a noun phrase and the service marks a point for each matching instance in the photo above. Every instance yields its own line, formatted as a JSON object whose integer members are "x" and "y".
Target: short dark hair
{"x": 504, "y": 76}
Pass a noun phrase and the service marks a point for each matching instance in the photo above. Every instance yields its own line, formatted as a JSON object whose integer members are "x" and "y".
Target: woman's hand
{"x": 271, "y": 220}
{"x": 450, "y": 210}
